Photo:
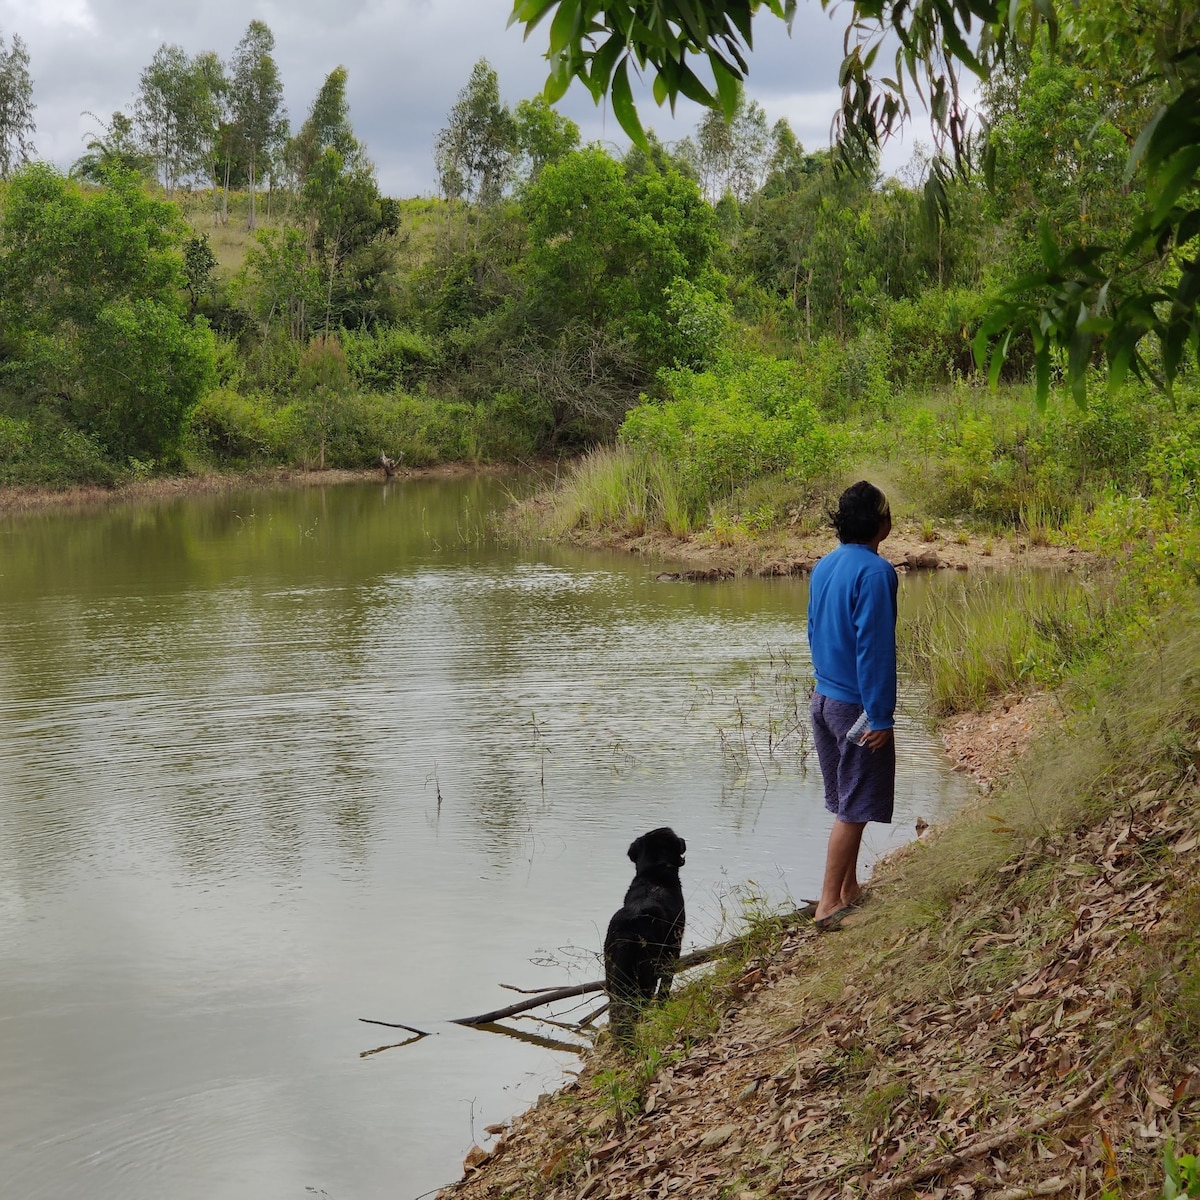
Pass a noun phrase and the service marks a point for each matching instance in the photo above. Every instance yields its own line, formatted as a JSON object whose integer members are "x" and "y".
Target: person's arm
{"x": 875, "y": 635}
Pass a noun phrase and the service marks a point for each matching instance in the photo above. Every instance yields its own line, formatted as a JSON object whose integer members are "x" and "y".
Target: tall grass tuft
{"x": 988, "y": 637}
{"x": 616, "y": 489}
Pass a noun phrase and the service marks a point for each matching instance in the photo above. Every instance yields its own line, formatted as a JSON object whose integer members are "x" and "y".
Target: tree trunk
{"x": 253, "y": 223}
{"x": 329, "y": 287}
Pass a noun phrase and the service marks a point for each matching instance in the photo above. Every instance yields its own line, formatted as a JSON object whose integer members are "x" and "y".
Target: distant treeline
{"x": 159, "y": 312}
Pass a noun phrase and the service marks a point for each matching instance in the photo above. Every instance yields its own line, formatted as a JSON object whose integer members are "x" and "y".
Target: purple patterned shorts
{"x": 860, "y": 784}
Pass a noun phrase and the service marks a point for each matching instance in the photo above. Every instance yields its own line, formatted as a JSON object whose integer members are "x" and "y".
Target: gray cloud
{"x": 406, "y": 59}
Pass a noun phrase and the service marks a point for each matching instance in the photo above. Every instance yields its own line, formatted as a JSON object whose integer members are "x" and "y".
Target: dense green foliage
{"x": 100, "y": 359}
{"x": 1133, "y": 294}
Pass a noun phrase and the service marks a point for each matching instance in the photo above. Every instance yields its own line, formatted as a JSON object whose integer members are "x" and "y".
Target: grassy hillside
{"x": 422, "y": 223}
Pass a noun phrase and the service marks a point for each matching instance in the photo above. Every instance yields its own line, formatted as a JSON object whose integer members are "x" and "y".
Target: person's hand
{"x": 877, "y": 739}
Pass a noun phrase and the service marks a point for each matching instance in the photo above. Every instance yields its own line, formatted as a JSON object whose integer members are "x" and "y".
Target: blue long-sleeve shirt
{"x": 852, "y": 630}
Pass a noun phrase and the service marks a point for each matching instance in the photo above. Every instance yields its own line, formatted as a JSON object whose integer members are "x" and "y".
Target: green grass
{"x": 230, "y": 241}
{"x": 614, "y": 489}
{"x": 988, "y": 636}
{"x": 421, "y": 232}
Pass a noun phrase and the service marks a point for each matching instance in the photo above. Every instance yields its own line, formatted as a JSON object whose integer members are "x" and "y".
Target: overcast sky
{"x": 407, "y": 60}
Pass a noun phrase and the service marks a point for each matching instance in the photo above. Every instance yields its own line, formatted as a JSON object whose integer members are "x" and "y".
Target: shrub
{"x": 744, "y": 420}
{"x": 1112, "y": 436}
{"x": 231, "y": 428}
{"x": 387, "y": 358}
{"x": 270, "y": 363}
{"x": 843, "y": 376}
{"x": 43, "y": 449}
{"x": 1174, "y": 463}
{"x": 930, "y": 337}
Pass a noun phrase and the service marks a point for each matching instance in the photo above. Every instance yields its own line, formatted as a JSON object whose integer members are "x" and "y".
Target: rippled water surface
{"x": 273, "y": 762}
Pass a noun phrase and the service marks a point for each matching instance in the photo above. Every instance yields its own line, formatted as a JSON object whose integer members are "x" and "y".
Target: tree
{"x": 543, "y": 135}
{"x": 16, "y": 106}
{"x": 603, "y": 252}
{"x": 1115, "y": 295}
{"x": 178, "y": 112}
{"x": 256, "y": 102}
{"x": 474, "y": 153}
{"x": 114, "y": 148}
{"x": 343, "y": 207}
{"x": 682, "y": 156}
{"x": 281, "y": 281}
{"x": 326, "y": 127}
{"x": 212, "y": 121}
{"x": 789, "y": 165}
{"x": 343, "y": 199}
{"x": 1057, "y": 157}
{"x": 199, "y": 263}
{"x": 330, "y": 273}
{"x": 93, "y": 311}
{"x": 733, "y": 152}
{"x": 156, "y": 112}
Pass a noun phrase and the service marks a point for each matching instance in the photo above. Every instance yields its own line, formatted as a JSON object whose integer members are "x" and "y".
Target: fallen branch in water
{"x": 537, "y": 999}
{"x": 498, "y": 1014}
{"x": 395, "y": 1025}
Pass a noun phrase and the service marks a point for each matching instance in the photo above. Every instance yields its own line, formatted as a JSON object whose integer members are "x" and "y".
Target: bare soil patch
{"x": 786, "y": 553}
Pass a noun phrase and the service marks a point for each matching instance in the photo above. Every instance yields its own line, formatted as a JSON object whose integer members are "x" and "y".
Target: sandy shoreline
{"x": 17, "y": 500}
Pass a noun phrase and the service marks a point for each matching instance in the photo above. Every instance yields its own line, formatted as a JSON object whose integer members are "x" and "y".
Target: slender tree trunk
{"x": 252, "y": 212}
{"x": 808, "y": 304}
{"x": 329, "y": 294}
{"x": 333, "y": 254}
{"x": 225, "y": 194}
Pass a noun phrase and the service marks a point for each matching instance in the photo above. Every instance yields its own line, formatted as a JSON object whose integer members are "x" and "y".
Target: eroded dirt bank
{"x": 79, "y": 499}
{"x": 782, "y": 553}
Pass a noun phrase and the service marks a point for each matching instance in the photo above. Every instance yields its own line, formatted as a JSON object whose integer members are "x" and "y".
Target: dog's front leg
{"x": 665, "y": 979}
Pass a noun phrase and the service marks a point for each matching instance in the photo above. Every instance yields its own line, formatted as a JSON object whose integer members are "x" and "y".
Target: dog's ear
{"x": 682, "y": 851}
{"x": 635, "y": 848}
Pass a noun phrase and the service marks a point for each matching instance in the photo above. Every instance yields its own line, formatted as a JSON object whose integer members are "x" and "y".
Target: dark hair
{"x": 862, "y": 509}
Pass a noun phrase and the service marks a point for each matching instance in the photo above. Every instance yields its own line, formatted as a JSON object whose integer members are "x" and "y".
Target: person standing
{"x": 852, "y": 637}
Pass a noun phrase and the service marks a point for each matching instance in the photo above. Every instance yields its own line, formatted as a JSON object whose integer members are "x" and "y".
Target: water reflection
{"x": 272, "y": 762}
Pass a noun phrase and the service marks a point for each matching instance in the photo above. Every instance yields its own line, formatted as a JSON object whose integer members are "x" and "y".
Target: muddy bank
{"x": 948, "y": 546}
{"x": 15, "y": 500}
{"x": 783, "y": 553}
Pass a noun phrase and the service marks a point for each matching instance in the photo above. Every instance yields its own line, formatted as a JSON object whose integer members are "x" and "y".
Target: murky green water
{"x": 273, "y": 762}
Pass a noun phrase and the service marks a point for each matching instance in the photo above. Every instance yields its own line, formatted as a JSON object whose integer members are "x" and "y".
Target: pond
{"x": 271, "y": 762}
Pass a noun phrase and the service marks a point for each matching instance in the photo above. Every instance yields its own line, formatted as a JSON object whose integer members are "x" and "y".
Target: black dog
{"x": 641, "y": 949}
